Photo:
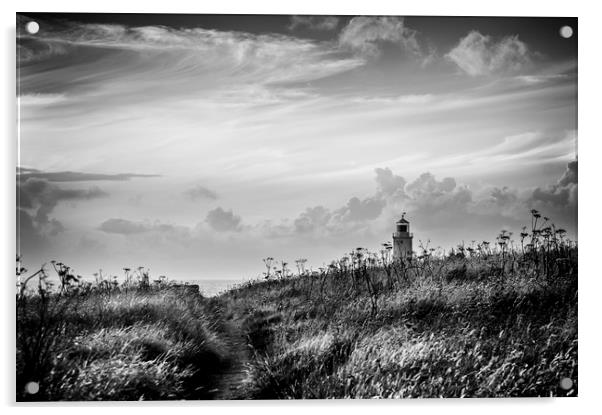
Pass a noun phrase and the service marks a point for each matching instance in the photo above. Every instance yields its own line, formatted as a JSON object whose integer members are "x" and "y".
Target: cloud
{"x": 388, "y": 184}
{"x": 229, "y": 56}
{"x": 563, "y": 194}
{"x": 359, "y": 210}
{"x": 570, "y": 175}
{"x": 41, "y": 100}
{"x": 312, "y": 219}
{"x": 354, "y": 216}
{"x": 436, "y": 201}
{"x": 427, "y": 184}
{"x": 325, "y": 23}
{"x": 42, "y": 197}
{"x": 439, "y": 209}
{"x": 123, "y": 226}
{"x": 501, "y": 201}
{"x": 541, "y": 79}
{"x": 36, "y": 51}
{"x": 435, "y": 205}
{"x": 43, "y": 192}
{"x": 223, "y": 221}
{"x": 525, "y": 149}
{"x": 478, "y": 54}
{"x": 424, "y": 196}
{"x": 200, "y": 192}
{"x": 366, "y": 34}
{"x": 410, "y": 100}
{"x": 504, "y": 196}
{"x": 24, "y": 173}
{"x": 36, "y": 200}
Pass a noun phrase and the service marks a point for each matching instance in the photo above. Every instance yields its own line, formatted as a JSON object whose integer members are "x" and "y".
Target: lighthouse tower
{"x": 402, "y": 239}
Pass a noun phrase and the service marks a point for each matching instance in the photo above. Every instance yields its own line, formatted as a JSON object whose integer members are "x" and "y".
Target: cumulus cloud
{"x": 365, "y": 35}
{"x": 477, "y": 54}
{"x": 504, "y": 196}
{"x": 41, "y": 197}
{"x": 354, "y": 216}
{"x": 389, "y": 184}
{"x": 427, "y": 184}
{"x": 427, "y": 194}
{"x": 570, "y": 175}
{"x": 223, "y": 220}
{"x": 200, "y": 192}
{"x": 563, "y": 194}
{"x": 436, "y": 208}
{"x": 501, "y": 201}
{"x": 312, "y": 219}
{"x": 36, "y": 200}
{"x": 314, "y": 22}
{"x": 433, "y": 204}
{"x": 424, "y": 196}
{"x": 358, "y": 210}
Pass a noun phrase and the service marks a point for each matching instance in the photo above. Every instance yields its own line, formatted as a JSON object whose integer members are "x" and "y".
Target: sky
{"x": 196, "y": 145}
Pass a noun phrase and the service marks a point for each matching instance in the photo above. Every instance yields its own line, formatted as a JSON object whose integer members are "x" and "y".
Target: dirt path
{"x": 235, "y": 382}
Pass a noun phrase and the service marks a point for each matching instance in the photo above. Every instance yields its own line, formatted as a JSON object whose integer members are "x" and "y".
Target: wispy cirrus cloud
{"x": 265, "y": 58}
{"x": 24, "y": 173}
{"x": 41, "y": 100}
{"x": 314, "y": 22}
{"x": 530, "y": 147}
{"x": 366, "y": 34}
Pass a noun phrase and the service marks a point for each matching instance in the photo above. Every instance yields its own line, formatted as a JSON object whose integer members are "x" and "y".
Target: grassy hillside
{"x": 480, "y": 322}
{"x": 486, "y": 320}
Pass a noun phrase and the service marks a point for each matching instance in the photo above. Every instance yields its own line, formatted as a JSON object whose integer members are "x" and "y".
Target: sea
{"x": 207, "y": 287}
{"x": 213, "y": 287}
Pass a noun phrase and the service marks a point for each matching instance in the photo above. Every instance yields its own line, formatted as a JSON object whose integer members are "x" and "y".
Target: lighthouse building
{"x": 402, "y": 239}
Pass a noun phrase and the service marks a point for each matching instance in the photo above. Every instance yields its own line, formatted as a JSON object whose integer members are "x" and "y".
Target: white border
{"x": 589, "y": 200}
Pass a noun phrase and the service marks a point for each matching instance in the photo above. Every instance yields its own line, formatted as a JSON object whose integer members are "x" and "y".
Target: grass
{"x": 467, "y": 339}
{"x": 118, "y": 344}
{"x": 479, "y": 322}
{"x": 487, "y": 320}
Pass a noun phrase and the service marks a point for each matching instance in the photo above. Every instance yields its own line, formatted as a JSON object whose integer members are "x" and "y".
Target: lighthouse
{"x": 402, "y": 239}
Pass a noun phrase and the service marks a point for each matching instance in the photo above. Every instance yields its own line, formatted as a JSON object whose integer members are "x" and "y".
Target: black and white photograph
{"x": 276, "y": 207}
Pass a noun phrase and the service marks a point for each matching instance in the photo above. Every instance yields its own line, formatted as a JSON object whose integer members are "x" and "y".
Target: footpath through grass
{"x": 118, "y": 343}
